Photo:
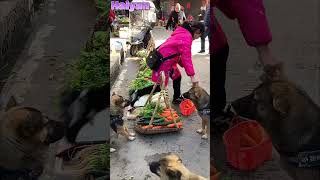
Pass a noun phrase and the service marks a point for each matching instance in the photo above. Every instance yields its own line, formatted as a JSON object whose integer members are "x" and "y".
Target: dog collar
{"x": 205, "y": 111}
{"x": 305, "y": 159}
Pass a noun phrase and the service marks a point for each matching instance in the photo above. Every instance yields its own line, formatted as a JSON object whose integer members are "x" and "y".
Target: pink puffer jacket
{"x": 180, "y": 42}
{"x": 251, "y": 18}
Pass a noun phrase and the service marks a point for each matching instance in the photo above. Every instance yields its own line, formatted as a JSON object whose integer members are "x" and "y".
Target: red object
{"x": 251, "y": 18}
{"x": 185, "y": 110}
{"x": 246, "y": 158}
{"x": 188, "y": 5}
{"x": 112, "y": 16}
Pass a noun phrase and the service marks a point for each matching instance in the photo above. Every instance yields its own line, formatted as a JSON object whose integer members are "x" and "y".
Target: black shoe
{"x": 202, "y": 51}
{"x": 221, "y": 121}
{"x": 177, "y": 100}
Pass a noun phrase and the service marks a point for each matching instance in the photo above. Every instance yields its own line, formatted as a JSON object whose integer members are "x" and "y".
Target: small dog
{"x": 117, "y": 111}
{"x": 170, "y": 167}
{"x": 25, "y": 136}
{"x": 201, "y": 99}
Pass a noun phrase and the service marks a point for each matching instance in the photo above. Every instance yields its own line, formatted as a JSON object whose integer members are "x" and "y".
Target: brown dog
{"x": 171, "y": 167}
{"x": 117, "y": 111}
{"x": 201, "y": 99}
{"x": 25, "y": 136}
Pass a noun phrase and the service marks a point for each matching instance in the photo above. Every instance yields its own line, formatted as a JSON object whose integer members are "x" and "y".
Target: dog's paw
{"x": 132, "y": 134}
{"x": 205, "y": 136}
{"x": 112, "y": 150}
{"x": 200, "y": 131}
{"x": 131, "y": 138}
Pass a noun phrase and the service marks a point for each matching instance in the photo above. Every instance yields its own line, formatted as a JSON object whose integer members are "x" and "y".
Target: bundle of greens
{"x": 124, "y": 20}
{"x": 140, "y": 83}
{"x": 145, "y": 74}
{"x": 148, "y": 110}
{"x": 142, "y": 53}
{"x": 93, "y": 159}
{"x": 142, "y": 80}
{"x": 143, "y": 64}
{"x": 90, "y": 70}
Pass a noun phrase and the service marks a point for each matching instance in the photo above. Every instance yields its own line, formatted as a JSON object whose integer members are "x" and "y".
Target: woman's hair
{"x": 192, "y": 27}
{"x": 179, "y": 6}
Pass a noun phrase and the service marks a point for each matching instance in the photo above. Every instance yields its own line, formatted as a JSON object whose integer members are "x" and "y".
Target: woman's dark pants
{"x": 177, "y": 88}
{"x": 218, "y": 64}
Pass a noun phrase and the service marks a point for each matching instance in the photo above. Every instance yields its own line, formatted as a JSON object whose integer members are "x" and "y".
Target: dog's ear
{"x": 195, "y": 84}
{"x": 198, "y": 92}
{"x": 281, "y": 104}
{"x": 280, "y": 94}
{"x": 174, "y": 174}
{"x": 113, "y": 93}
{"x": 274, "y": 72}
{"x": 11, "y": 103}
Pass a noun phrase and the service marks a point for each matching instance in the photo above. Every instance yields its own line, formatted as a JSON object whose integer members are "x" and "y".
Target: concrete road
{"x": 296, "y": 41}
{"x": 62, "y": 29}
{"x": 131, "y": 158}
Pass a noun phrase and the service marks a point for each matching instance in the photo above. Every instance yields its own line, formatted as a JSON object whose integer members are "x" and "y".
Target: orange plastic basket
{"x": 247, "y": 158}
{"x": 184, "y": 109}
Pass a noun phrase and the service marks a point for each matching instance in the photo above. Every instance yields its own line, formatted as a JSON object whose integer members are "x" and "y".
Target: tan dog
{"x": 201, "y": 99}
{"x": 117, "y": 111}
{"x": 25, "y": 135}
{"x": 170, "y": 167}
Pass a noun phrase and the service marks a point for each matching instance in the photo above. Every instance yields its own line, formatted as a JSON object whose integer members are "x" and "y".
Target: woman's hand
{"x": 273, "y": 68}
{"x": 194, "y": 81}
{"x": 265, "y": 55}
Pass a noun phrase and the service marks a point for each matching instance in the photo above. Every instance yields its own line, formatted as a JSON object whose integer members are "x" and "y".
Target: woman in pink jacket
{"x": 253, "y": 23}
{"x": 179, "y": 42}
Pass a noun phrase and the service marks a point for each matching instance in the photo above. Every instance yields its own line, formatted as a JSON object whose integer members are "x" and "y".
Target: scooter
{"x": 143, "y": 40}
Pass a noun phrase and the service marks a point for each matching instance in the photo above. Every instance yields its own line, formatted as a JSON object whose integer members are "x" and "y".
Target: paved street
{"x": 131, "y": 158}
{"x": 295, "y": 28}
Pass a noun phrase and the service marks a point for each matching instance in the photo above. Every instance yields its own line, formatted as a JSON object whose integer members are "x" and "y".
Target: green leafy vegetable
{"x": 148, "y": 110}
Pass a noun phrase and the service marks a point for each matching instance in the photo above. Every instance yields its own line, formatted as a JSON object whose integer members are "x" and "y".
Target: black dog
{"x": 80, "y": 107}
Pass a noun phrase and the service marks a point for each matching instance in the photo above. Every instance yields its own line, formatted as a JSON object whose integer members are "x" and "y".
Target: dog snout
{"x": 155, "y": 168}
{"x": 186, "y": 95}
{"x": 243, "y": 106}
{"x": 56, "y": 131}
{"x": 126, "y": 102}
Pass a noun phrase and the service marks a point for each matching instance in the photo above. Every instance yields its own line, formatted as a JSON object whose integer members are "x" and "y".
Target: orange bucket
{"x": 243, "y": 157}
{"x": 187, "y": 107}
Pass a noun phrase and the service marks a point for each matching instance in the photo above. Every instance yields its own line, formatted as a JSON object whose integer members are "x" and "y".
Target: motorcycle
{"x": 142, "y": 40}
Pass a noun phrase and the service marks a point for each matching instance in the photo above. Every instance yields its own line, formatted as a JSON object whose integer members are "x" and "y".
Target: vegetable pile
{"x": 143, "y": 78}
{"x": 162, "y": 119}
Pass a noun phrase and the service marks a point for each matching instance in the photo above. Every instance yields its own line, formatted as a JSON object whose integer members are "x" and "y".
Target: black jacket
{"x": 173, "y": 20}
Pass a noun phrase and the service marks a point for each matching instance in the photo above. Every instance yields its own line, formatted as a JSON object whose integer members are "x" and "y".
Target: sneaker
{"x": 202, "y": 51}
{"x": 177, "y": 100}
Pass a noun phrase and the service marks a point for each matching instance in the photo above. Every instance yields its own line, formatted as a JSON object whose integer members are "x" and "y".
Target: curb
{"x": 117, "y": 58}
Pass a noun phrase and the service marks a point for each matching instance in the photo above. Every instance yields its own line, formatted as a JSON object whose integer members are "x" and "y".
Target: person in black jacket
{"x": 173, "y": 20}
